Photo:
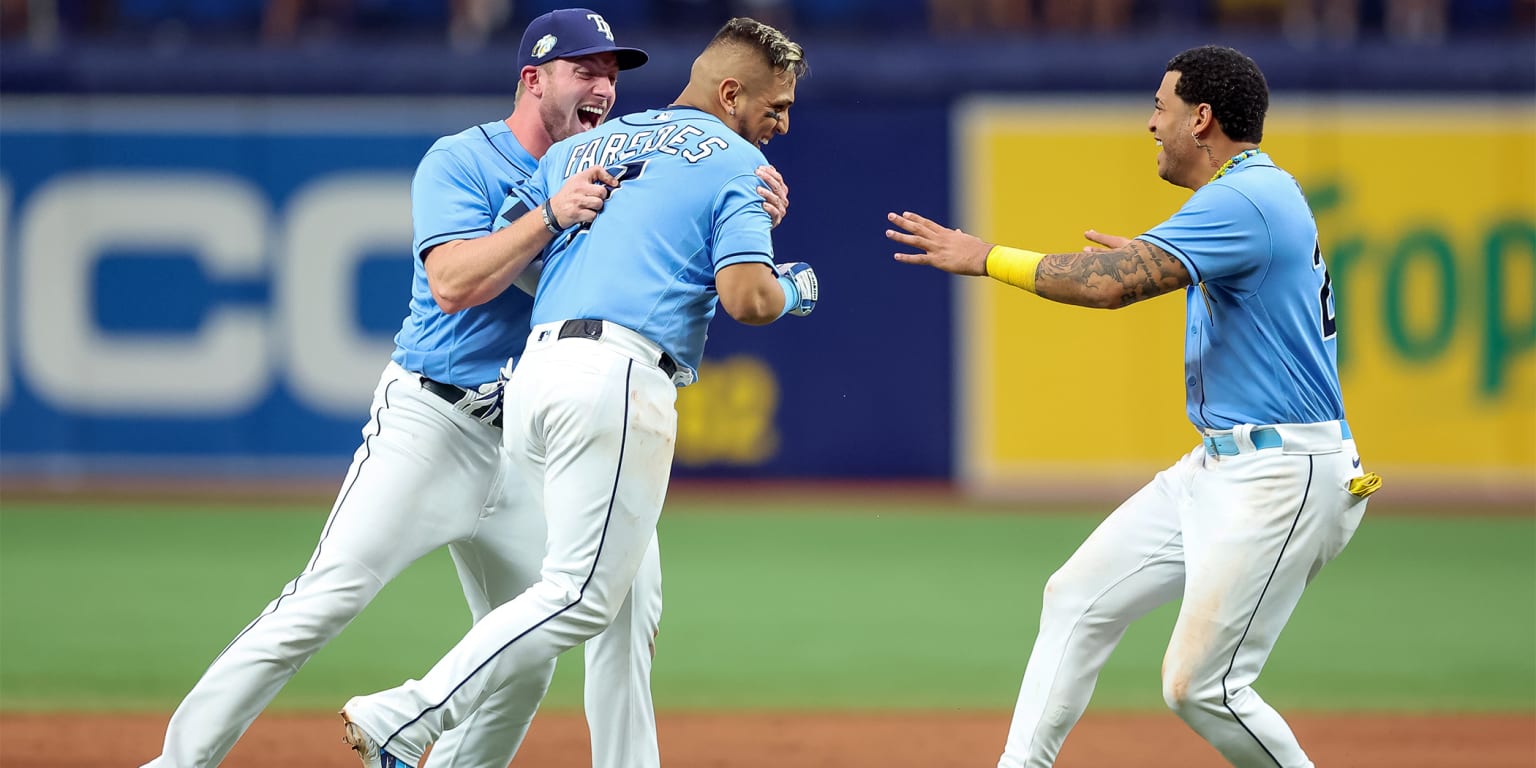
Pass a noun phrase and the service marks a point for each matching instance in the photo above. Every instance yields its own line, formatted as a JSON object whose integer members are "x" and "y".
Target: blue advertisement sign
{"x": 213, "y": 286}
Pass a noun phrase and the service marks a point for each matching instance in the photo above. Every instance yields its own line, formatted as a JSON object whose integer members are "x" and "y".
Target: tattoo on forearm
{"x": 1131, "y": 273}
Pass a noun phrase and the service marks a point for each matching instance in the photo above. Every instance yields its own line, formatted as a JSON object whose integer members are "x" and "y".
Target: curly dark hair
{"x": 1228, "y": 81}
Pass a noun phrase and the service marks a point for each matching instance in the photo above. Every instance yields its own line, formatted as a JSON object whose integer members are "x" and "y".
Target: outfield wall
{"x": 1427, "y": 218}
{"x": 210, "y": 285}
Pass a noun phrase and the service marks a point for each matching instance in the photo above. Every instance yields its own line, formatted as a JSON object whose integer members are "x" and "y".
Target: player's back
{"x": 686, "y": 206}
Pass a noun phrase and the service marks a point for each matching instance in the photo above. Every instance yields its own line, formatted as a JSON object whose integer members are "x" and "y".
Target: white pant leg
{"x": 1130, "y": 564}
{"x": 495, "y": 565}
{"x": 599, "y": 429}
{"x": 1258, "y": 526}
{"x": 620, "y": 713}
{"x": 413, "y": 486}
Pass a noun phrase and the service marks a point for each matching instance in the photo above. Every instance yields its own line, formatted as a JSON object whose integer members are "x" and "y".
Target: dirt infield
{"x": 816, "y": 741}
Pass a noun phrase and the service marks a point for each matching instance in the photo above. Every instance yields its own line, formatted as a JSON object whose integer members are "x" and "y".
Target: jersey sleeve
{"x": 447, "y": 202}
{"x": 1218, "y": 234}
{"x": 512, "y": 209}
{"x": 526, "y": 196}
{"x": 742, "y": 228}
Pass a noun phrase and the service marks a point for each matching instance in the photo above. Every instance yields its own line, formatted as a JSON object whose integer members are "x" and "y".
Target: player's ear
{"x": 1203, "y": 118}
{"x": 531, "y": 79}
{"x": 730, "y": 93}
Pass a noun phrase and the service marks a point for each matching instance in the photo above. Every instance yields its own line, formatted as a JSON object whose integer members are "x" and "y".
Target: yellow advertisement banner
{"x": 1427, "y": 216}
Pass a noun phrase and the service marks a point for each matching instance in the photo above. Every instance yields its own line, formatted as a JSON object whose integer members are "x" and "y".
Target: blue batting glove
{"x": 800, "y": 289}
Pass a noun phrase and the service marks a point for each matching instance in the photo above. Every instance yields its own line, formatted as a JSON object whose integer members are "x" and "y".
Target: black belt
{"x": 455, "y": 395}
{"x": 593, "y": 329}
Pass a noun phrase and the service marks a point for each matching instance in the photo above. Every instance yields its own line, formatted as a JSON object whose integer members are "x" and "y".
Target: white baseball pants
{"x": 590, "y": 424}
{"x": 423, "y": 478}
{"x": 1238, "y": 537}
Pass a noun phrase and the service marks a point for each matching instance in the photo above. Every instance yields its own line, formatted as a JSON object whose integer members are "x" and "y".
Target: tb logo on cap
{"x": 602, "y": 25}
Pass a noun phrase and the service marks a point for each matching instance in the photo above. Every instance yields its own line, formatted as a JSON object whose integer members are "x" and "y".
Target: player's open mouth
{"x": 589, "y": 116}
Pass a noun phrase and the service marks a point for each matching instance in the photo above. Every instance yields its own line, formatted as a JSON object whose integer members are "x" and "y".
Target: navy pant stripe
{"x": 602, "y": 539}
{"x": 1225, "y": 700}
{"x": 378, "y": 420}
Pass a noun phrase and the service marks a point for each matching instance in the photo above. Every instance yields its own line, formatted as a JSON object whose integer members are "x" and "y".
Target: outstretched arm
{"x": 1122, "y": 273}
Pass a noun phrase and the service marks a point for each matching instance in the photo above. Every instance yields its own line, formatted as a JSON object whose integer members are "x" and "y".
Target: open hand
{"x": 948, "y": 249}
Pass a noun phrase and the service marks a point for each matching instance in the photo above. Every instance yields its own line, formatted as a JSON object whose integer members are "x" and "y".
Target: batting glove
{"x": 799, "y": 283}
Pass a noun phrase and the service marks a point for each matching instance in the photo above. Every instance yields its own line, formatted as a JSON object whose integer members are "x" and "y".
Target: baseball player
{"x": 618, "y": 324}
{"x": 424, "y": 475}
{"x": 1241, "y": 524}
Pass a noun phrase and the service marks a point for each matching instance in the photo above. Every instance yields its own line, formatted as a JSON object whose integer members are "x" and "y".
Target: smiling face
{"x": 1172, "y": 126}
{"x": 762, "y": 107}
{"x": 577, "y": 93}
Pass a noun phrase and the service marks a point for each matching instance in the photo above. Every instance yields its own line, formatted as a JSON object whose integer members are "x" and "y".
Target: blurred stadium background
{"x": 204, "y": 209}
{"x": 204, "y": 218}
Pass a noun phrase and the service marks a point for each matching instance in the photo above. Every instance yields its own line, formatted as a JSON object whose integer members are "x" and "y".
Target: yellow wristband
{"x": 1013, "y": 266}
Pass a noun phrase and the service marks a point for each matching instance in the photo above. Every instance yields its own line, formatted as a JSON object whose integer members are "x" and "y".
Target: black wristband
{"x": 550, "y": 223}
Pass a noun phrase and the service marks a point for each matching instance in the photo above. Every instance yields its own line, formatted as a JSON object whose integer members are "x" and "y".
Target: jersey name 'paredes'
{"x": 616, "y": 148}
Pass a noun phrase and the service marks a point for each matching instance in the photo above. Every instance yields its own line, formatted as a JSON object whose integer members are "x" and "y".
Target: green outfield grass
{"x": 857, "y": 606}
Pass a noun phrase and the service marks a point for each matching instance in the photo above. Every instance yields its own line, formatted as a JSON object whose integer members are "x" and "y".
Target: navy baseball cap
{"x": 572, "y": 32}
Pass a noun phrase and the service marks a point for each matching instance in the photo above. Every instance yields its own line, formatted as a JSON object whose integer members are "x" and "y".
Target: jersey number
{"x": 628, "y": 170}
{"x": 1325, "y": 295}
{"x": 625, "y": 171}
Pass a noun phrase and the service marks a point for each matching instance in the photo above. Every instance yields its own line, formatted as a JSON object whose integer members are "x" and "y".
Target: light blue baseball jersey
{"x": 1260, "y": 346}
{"x": 687, "y": 207}
{"x": 459, "y": 185}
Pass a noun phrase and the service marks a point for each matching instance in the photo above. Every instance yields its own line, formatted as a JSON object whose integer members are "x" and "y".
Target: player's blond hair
{"x": 781, "y": 53}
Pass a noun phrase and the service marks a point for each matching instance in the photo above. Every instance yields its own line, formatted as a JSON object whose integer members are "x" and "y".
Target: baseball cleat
{"x": 366, "y": 749}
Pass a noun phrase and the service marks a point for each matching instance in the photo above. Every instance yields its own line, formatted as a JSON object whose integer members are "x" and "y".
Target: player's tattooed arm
{"x": 1109, "y": 279}
{"x": 1113, "y": 273}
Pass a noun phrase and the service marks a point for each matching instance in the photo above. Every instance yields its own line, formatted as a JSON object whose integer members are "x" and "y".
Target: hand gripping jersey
{"x": 687, "y": 206}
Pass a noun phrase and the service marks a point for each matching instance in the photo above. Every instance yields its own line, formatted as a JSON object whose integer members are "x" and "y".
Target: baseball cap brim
{"x": 628, "y": 58}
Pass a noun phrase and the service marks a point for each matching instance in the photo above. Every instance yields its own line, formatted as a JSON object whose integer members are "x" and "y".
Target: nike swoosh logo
{"x": 1357, "y": 462}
